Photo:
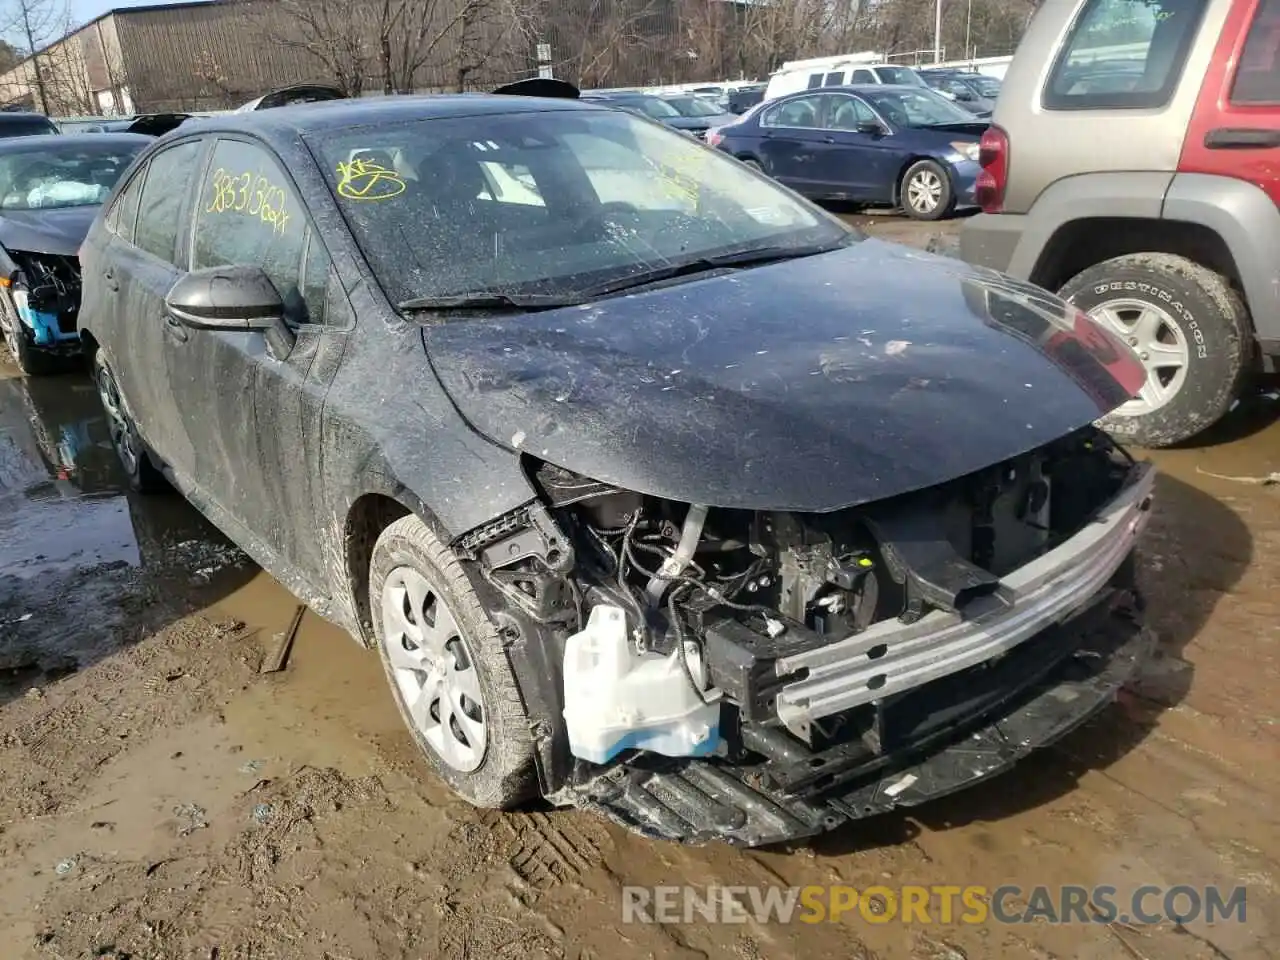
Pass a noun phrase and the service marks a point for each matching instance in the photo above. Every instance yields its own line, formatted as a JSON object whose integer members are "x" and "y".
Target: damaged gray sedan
{"x": 658, "y": 491}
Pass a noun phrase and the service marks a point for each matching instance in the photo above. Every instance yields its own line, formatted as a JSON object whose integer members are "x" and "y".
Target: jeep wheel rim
{"x": 433, "y": 669}
{"x": 1159, "y": 343}
{"x": 924, "y": 191}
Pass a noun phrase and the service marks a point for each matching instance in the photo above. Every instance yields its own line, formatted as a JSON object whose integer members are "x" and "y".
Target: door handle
{"x": 1241, "y": 138}
{"x": 828, "y": 139}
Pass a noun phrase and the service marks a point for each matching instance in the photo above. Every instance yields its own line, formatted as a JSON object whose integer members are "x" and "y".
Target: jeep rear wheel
{"x": 1190, "y": 330}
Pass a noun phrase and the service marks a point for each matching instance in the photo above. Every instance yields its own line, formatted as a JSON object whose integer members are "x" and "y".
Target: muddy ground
{"x": 160, "y": 798}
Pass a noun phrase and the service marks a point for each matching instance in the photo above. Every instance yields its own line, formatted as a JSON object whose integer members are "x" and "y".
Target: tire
{"x": 934, "y": 181}
{"x": 1198, "y": 322}
{"x": 495, "y": 768}
{"x": 135, "y": 459}
{"x": 28, "y": 357}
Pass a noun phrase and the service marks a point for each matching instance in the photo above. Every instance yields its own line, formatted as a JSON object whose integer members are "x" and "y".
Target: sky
{"x": 85, "y": 10}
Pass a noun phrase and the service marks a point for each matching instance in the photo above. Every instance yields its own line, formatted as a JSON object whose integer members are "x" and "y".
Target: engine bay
{"x": 665, "y": 624}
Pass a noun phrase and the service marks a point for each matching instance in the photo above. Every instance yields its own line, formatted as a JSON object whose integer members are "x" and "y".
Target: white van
{"x": 793, "y": 79}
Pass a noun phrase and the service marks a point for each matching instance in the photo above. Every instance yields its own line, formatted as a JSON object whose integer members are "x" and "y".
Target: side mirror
{"x": 965, "y": 96}
{"x": 871, "y": 127}
{"x": 231, "y": 298}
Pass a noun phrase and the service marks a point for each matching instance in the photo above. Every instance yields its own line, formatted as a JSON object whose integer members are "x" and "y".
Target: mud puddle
{"x": 86, "y": 565}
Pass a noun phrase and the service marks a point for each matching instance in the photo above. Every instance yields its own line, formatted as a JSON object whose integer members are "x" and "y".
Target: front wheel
{"x": 449, "y": 673}
{"x": 30, "y": 359}
{"x": 926, "y": 192}
{"x": 1188, "y": 327}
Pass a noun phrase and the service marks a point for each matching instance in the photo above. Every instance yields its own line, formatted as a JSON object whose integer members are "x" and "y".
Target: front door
{"x": 253, "y": 418}
{"x": 139, "y": 270}
{"x": 861, "y": 155}
{"x": 1235, "y": 131}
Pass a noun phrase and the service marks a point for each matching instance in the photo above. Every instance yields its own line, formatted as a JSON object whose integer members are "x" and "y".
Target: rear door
{"x": 1235, "y": 131}
{"x": 254, "y": 418}
{"x": 791, "y": 140}
{"x": 141, "y": 270}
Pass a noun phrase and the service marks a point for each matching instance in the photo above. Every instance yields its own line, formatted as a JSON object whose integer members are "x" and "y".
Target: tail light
{"x": 715, "y": 138}
{"x": 993, "y": 155}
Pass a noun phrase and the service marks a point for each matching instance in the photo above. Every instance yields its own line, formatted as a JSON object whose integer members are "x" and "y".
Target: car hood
{"x": 807, "y": 385}
{"x": 700, "y": 123}
{"x": 58, "y": 231}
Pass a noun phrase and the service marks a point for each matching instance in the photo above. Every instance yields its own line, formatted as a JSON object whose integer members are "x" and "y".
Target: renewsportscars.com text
{"x": 940, "y": 904}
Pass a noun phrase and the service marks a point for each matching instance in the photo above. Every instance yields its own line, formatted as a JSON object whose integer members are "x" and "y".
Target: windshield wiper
{"x": 493, "y": 300}
{"x": 747, "y": 258}
{"x": 490, "y": 300}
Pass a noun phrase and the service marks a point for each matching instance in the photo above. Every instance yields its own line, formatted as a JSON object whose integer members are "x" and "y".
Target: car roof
{"x": 23, "y": 144}
{"x": 306, "y": 119}
{"x": 863, "y": 88}
{"x": 21, "y": 115}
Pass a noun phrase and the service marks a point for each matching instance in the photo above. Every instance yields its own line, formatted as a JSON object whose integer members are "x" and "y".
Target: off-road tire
{"x": 946, "y": 200}
{"x": 28, "y": 357}
{"x": 1212, "y": 318}
{"x": 507, "y": 774}
{"x": 143, "y": 475}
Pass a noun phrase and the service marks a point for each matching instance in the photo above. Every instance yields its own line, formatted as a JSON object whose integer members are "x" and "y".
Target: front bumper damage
{"x": 938, "y": 704}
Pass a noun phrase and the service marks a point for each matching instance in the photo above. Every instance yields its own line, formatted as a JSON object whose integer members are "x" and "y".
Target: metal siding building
{"x": 217, "y": 54}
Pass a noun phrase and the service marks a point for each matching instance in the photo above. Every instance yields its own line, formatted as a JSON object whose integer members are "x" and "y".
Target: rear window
{"x": 1124, "y": 54}
{"x": 1258, "y": 78}
{"x": 26, "y": 126}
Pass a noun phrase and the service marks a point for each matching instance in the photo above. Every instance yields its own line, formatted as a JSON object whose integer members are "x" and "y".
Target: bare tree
{"x": 396, "y": 45}
{"x": 36, "y": 24}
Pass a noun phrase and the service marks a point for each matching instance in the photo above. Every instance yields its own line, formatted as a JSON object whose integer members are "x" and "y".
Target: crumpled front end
{"x": 45, "y": 290}
{"x": 757, "y": 676}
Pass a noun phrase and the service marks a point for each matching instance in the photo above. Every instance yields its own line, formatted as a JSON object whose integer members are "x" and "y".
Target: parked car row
{"x": 884, "y": 144}
{"x": 620, "y": 453}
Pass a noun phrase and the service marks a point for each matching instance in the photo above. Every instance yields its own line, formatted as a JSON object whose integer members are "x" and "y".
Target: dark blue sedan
{"x": 866, "y": 144}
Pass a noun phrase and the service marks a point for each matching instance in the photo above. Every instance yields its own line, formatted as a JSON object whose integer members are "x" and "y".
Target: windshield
{"x": 693, "y": 106}
{"x": 988, "y": 87}
{"x": 900, "y": 75}
{"x": 916, "y": 108}
{"x": 552, "y": 203}
{"x": 650, "y": 107}
{"x": 70, "y": 175}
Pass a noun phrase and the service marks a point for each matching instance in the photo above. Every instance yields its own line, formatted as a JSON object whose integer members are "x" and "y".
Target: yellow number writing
{"x": 253, "y": 196}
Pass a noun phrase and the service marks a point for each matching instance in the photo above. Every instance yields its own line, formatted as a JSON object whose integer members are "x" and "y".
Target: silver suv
{"x": 1131, "y": 168}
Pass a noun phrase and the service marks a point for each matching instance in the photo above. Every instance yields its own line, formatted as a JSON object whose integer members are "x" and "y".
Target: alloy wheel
{"x": 118, "y": 422}
{"x": 434, "y": 671}
{"x": 1160, "y": 344}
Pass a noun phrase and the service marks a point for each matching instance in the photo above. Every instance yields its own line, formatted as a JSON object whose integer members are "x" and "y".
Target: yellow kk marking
{"x": 368, "y": 180}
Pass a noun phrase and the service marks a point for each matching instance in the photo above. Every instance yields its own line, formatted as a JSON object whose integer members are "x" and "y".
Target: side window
{"x": 124, "y": 212}
{"x": 815, "y": 81}
{"x": 801, "y": 112}
{"x": 834, "y": 79}
{"x": 1258, "y": 77}
{"x": 169, "y": 177}
{"x": 1155, "y": 35}
{"x": 849, "y": 114}
{"x": 863, "y": 76}
{"x": 248, "y": 212}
